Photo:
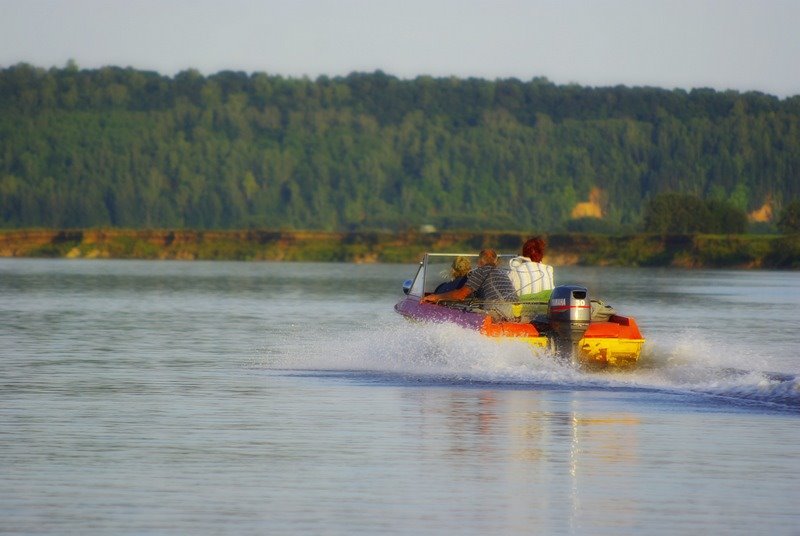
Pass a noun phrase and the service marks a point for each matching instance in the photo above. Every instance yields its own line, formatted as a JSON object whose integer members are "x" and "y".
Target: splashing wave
{"x": 684, "y": 364}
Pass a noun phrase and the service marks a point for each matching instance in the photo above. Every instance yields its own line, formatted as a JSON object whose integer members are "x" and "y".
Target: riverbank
{"x": 689, "y": 251}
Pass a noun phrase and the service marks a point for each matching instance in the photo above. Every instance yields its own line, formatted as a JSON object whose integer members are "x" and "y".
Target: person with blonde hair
{"x": 458, "y": 273}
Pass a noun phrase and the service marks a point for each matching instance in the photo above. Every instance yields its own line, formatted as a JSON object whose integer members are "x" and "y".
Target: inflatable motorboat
{"x": 564, "y": 324}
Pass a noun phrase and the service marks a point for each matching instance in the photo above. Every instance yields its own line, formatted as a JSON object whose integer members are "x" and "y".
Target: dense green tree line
{"x": 128, "y": 148}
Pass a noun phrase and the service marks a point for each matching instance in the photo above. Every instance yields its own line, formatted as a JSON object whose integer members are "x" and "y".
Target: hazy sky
{"x": 723, "y": 44}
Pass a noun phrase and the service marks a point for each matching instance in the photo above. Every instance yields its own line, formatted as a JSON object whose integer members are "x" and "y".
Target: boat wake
{"x": 448, "y": 354}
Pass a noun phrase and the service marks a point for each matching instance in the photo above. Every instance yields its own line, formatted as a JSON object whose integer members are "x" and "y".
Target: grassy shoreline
{"x": 688, "y": 251}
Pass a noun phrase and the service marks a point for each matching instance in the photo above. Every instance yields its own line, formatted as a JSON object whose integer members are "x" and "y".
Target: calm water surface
{"x": 242, "y": 398}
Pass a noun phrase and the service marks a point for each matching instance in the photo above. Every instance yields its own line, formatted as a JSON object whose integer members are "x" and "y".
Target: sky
{"x": 743, "y": 45}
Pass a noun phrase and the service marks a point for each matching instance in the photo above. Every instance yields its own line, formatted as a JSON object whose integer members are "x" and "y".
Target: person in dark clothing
{"x": 458, "y": 272}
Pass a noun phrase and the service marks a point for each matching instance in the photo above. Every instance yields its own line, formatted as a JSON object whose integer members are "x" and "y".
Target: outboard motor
{"x": 569, "y": 312}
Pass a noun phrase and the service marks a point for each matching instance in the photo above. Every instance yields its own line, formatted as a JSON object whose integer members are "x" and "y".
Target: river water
{"x": 266, "y": 398}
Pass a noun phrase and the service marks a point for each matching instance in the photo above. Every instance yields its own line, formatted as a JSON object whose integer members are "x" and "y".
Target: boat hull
{"x": 616, "y": 342}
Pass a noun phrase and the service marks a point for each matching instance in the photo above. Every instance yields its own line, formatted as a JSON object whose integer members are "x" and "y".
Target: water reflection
{"x": 539, "y": 453}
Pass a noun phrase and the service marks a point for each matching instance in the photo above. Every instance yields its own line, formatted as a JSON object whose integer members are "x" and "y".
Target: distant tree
{"x": 726, "y": 218}
{"x": 676, "y": 213}
{"x": 685, "y": 213}
{"x": 789, "y": 222}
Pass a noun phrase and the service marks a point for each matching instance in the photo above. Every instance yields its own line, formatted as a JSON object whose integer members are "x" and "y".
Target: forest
{"x": 125, "y": 148}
